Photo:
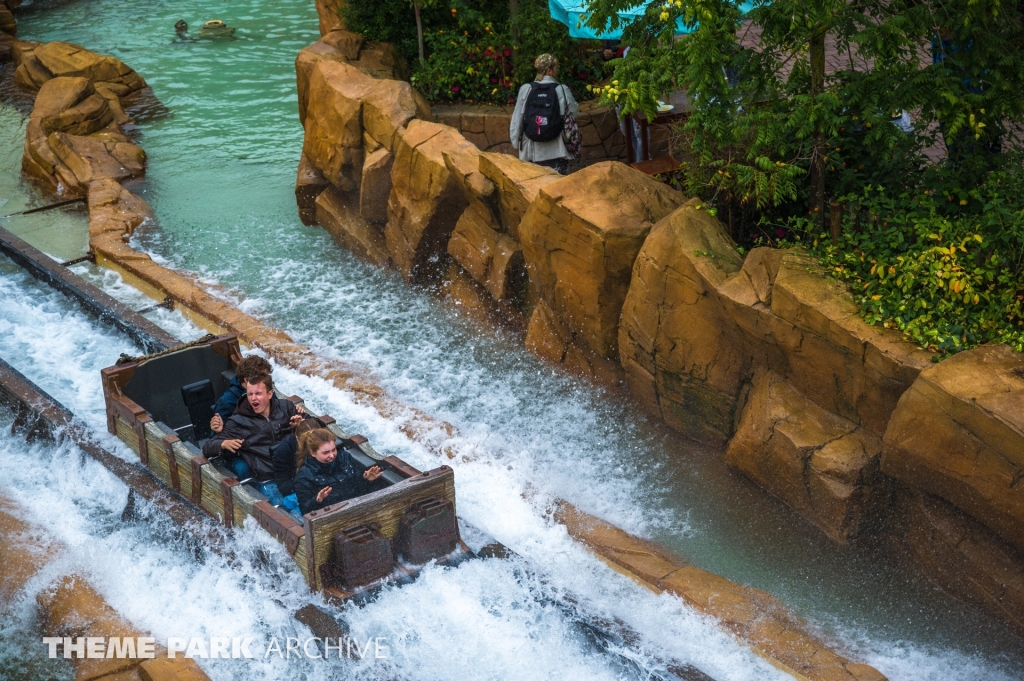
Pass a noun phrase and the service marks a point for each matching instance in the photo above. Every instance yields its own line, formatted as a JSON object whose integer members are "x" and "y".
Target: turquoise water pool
{"x": 222, "y": 168}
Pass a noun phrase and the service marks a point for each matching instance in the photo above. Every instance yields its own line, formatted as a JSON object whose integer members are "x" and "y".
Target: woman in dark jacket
{"x": 326, "y": 478}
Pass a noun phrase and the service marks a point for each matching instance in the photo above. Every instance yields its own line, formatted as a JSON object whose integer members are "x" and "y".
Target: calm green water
{"x": 222, "y": 167}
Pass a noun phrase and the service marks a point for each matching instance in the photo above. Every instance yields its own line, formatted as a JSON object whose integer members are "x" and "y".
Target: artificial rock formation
{"x": 74, "y": 137}
{"x": 38, "y": 64}
{"x": 682, "y": 354}
{"x": 426, "y": 200}
{"x": 580, "y": 237}
{"x": 962, "y": 556}
{"x": 958, "y": 433}
{"x": 761, "y": 353}
{"x": 822, "y": 465}
{"x": 329, "y": 13}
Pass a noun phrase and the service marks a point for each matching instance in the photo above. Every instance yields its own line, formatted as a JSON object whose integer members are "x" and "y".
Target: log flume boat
{"x": 342, "y": 550}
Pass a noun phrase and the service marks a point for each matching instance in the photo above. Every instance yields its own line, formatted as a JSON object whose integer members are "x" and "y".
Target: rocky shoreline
{"x": 620, "y": 279}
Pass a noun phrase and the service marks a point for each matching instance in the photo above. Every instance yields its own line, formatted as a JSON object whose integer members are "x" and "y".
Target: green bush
{"x": 463, "y": 69}
{"x": 945, "y": 266}
{"x": 471, "y": 54}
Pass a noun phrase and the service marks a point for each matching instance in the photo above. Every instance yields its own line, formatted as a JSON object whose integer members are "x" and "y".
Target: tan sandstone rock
{"x": 375, "y": 187}
{"x": 517, "y": 183}
{"x": 338, "y": 213}
{"x": 820, "y": 464}
{"x": 962, "y": 556}
{"x": 57, "y": 59}
{"x": 493, "y": 259}
{"x": 684, "y": 356}
{"x": 329, "y": 14}
{"x": 958, "y": 433}
{"x": 341, "y": 103}
{"x": 580, "y": 237}
{"x": 309, "y": 182}
{"x": 92, "y": 158}
{"x": 840, "y": 362}
{"x": 334, "y": 132}
{"x": 8, "y": 24}
{"x": 426, "y": 201}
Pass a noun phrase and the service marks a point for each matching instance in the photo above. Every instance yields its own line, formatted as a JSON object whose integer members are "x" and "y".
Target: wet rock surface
{"x": 580, "y": 237}
{"x": 958, "y": 433}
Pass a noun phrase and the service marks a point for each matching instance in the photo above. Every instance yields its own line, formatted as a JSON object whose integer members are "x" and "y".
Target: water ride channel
{"x": 222, "y": 155}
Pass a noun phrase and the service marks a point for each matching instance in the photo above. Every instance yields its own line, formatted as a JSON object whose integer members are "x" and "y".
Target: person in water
{"x": 260, "y": 422}
{"x": 326, "y": 477}
{"x": 253, "y": 365}
{"x": 181, "y": 28}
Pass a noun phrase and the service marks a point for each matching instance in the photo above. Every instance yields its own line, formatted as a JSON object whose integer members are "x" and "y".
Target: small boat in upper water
{"x": 215, "y": 28}
{"x": 343, "y": 549}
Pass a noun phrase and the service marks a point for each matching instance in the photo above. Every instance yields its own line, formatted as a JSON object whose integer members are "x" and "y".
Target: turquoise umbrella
{"x": 573, "y": 14}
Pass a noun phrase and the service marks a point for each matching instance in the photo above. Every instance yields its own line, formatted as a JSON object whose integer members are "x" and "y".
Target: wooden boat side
{"x": 182, "y": 467}
{"x": 382, "y": 510}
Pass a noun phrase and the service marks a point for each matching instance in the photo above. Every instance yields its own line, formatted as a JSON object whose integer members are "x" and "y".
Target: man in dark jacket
{"x": 260, "y": 422}
{"x": 253, "y": 365}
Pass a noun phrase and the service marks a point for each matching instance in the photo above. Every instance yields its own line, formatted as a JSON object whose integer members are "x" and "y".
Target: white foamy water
{"x": 503, "y": 619}
{"x": 220, "y": 179}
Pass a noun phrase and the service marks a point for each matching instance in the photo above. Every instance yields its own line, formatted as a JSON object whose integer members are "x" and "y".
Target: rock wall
{"x": 75, "y": 132}
{"x": 620, "y": 279}
{"x": 617, "y": 277}
{"x": 487, "y": 127}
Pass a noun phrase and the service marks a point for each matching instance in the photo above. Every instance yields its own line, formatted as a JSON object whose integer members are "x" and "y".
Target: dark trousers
{"x": 560, "y": 165}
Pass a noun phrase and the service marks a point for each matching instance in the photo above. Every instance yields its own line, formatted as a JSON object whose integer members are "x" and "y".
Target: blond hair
{"x": 543, "y": 63}
{"x": 310, "y": 441}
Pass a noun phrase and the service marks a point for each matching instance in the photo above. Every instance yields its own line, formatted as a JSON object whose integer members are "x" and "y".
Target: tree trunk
{"x": 513, "y": 13}
{"x": 818, "y": 136}
{"x": 419, "y": 31}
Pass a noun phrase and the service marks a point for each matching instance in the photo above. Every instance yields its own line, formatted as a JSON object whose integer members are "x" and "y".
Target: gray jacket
{"x": 540, "y": 151}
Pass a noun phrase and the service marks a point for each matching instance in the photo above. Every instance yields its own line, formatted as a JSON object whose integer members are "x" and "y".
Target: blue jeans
{"x": 273, "y": 495}
{"x": 238, "y": 466}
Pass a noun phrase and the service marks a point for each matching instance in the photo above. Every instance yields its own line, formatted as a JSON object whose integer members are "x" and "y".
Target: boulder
{"x": 338, "y": 213}
{"x": 550, "y": 339}
{"x": 426, "y": 201}
{"x": 958, "y": 433}
{"x": 342, "y": 102}
{"x": 580, "y": 237}
{"x": 465, "y": 170}
{"x": 92, "y": 158}
{"x": 837, "y": 359}
{"x": 962, "y": 556}
{"x": 57, "y": 59}
{"x": 346, "y": 43}
{"x": 376, "y": 60}
{"x": 375, "y": 187}
{"x": 334, "y": 131}
{"x": 8, "y": 24}
{"x": 517, "y": 183}
{"x": 305, "y": 62}
{"x": 30, "y": 74}
{"x": 114, "y": 215}
{"x": 309, "y": 182}
{"x": 329, "y": 14}
{"x": 820, "y": 464}
{"x": 493, "y": 259}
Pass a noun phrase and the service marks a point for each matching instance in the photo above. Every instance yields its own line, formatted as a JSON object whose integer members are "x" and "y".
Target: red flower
{"x": 455, "y": 88}
{"x": 508, "y": 53}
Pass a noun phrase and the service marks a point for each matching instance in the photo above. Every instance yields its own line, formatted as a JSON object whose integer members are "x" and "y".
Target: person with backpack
{"x": 538, "y": 122}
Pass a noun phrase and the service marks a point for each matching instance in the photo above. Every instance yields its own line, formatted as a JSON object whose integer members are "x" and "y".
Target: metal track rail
{"x": 38, "y": 415}
{"x": 148, "y": 335}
